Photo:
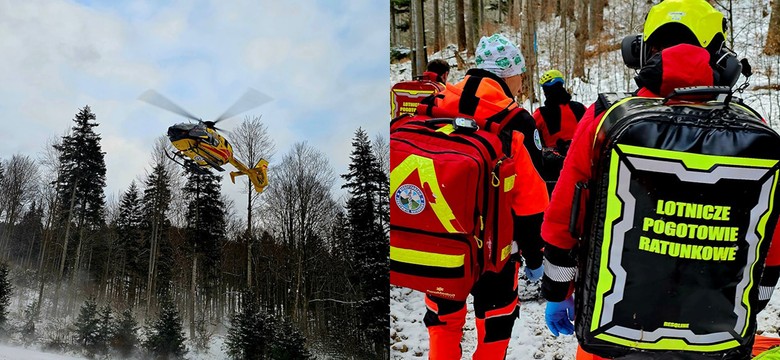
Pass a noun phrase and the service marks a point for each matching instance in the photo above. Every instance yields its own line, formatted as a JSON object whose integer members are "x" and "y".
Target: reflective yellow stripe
{"x": 509, "y": 183}
{"x": 614, "y": 211}
{"x": 417, "y": 93}
{"x": 427, "y": 172}
{"x": 447, "y": 129}
{"x": 698, "y": 161}
{"x": 668, "y": 344}
{"x": 761, "y": 229}
{"x": 506, "y": 251}
{"x": 426, "y": 258}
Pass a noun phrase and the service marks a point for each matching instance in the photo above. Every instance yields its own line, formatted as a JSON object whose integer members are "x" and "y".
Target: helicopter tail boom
{"x": 257, "y": 175}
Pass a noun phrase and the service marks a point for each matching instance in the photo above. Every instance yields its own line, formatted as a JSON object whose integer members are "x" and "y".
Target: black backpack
{"x": 677, "y": 226}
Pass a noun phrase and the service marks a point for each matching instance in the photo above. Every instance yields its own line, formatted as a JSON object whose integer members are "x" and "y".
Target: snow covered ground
{"x": 530, "y": 337}
{"x": 8, "y": 352}
{"x": 17, "y": 352}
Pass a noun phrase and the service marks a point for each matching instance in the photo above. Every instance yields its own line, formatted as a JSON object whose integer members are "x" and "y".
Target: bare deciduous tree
{"x": 17, "y": 189}
{"x": 251, "y": 143}
{"x": 298, "y": 208}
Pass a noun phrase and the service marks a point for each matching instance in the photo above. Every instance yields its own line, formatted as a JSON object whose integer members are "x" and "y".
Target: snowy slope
{"x": 15, "y": 353}
{"x": 530, "y": 337}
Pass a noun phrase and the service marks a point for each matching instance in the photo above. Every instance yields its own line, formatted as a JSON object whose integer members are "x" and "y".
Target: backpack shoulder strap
{"x": 606, "y": 100}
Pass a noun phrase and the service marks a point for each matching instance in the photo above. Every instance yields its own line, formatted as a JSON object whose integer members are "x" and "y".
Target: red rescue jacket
{"x": 561, "y": 127}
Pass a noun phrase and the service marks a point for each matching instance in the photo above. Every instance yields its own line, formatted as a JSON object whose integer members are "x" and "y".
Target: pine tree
{"x": 127, "y": 250}
{"x": 87, "y": 326}
{"x": 288, "y": 343}
{"x": 368, "y": 241}
{"x": 256, "y": 335}
{"x": 165, "y": 337}
{"x": 125, "y": 337}
{"x": 6, "y": 289}
{"x": 155, "y": 204}
{"x": 79, "y": 189}
{"x": 83, "y": 171}
{"x": 249, "y": 335}
{"x": 105, "y": 329}
{"x": 205, "y": 232}
{"x": 28, "y": 328}
{"x": 206, "y": 226}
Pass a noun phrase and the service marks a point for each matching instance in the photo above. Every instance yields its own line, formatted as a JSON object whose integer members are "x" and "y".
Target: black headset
{"x": 725, "y": 64}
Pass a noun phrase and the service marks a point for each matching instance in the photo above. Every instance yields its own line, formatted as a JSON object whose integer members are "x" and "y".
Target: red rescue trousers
{"x": 496, "y": 307}
{"x": 582, "y": 355}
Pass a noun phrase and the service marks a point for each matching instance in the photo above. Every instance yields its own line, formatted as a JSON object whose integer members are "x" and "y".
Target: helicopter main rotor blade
{"x": 154, "y": 98}
{"x": 250, "y": 100}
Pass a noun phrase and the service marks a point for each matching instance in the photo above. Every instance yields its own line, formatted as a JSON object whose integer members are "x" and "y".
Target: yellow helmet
{"x": 704, "y": 22}
{"x": 551, "y": 77}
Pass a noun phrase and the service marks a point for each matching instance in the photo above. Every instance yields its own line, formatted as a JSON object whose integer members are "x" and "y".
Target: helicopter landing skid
{"x": 188, "y": 164}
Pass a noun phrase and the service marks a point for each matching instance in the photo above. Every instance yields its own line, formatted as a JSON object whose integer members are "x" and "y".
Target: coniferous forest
{"x": 169, "y": 263}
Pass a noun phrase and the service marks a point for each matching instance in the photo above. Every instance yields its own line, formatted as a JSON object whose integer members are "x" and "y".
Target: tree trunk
{"x": 581, "y": 35}
{"x": 596, "y": 18}
{"x": 444, "y": 13}
{"x": 150, "y": 276}
{"x": 460, "y": 24}
{"x": 64, "y": 249}
{"x": 480, "y": 19}
{"x": 46, "y": 239}
{"x": 511, "y": 16}
{"x": 566, "y": 11}
{"x": 393, "y": 30}
{"x": 530, "y": 12}
{"x": 40, "y": 273}
{"x": 250, "y": 236}
{"x": 475, "y": 28}
{"x": 548, "y": 9}
{"x": 28, "y": 257}
{"x": 193, "y": 292}
{"x": 436, "y": 24}
{"x": 419, "y": 37}
{"x": 772, "y": 46}
{"x": 77, "y": 263}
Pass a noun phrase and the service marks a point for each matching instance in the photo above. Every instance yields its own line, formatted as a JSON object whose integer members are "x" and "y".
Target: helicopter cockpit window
{"x": 198, "y": 131}
{"x": 213, "y": 140}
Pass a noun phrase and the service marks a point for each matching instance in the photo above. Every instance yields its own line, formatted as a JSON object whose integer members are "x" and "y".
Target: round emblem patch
{"x": 410, "y": 199}
{"x": 537, "y": 139}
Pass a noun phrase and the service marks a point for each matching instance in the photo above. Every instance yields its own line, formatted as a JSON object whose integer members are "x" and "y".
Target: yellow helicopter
{"x": 203, "y": 145}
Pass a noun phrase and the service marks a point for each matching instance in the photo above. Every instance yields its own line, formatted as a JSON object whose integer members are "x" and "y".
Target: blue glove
{"x": 559, "y": 316}
{"x": 534, "y": 275}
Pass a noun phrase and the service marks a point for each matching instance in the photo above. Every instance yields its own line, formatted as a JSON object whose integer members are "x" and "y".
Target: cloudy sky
{"x": 325, "y": 64}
